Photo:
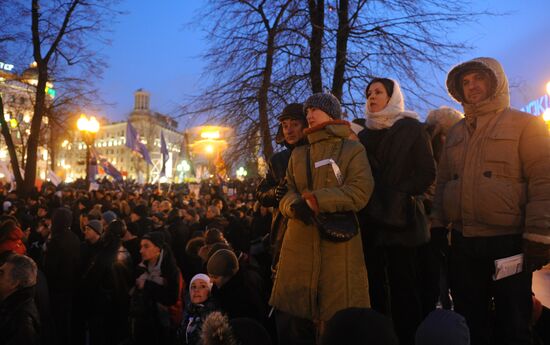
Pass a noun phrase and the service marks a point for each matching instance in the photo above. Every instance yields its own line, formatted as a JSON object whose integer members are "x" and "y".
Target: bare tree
{"x": 60, "y": 33}
{"x": 245, "y": 42}
{"x": 342, "y": 44}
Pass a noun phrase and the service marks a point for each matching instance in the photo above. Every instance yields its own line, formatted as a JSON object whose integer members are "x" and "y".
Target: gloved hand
{"x": 439, "y": 241}
{"x": 280, "y": 191}
{"x": 302, "y": 212}
{"x": 535, "y": 254}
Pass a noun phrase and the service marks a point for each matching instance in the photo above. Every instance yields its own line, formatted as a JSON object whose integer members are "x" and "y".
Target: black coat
{"x": 19, "y": 319}
{"x": 240, "y": 297}
{"x": 62, "y": 257}
{"x": 401, "y": 159}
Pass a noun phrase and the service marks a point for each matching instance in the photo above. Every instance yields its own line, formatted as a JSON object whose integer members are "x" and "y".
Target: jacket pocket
{"x": 501, "y": 152}
{"x": 452, "y": 200}
{"x": 500, "y": 202}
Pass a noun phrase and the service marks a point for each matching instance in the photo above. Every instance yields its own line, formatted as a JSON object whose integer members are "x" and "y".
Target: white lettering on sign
{"x": 6, "y": 66}
{"x": 538, "y": 106}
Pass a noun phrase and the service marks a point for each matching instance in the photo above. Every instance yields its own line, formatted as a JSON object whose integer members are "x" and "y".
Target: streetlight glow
{"x": 209, "y": 149}
{"x": 82, "y": 123}
{"x": 93, "y": 125}
{"x": 548, "y": 88}
{"x": 546, "y": 115}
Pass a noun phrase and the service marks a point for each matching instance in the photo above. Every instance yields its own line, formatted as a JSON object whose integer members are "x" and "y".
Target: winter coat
{"x": 189, "y": 332}
{"x": 13, "y": 241}
{"x": 315, "y": 278}
{"x": 265, "y": 194}
{"x": 494, "y": 180}
{"x": 19, "y": 319}
{"x": 241, "y": 297}
{"x": 62, "y": 258}
{"x": 402, "y": 160}
{"x": 155, "y": 309}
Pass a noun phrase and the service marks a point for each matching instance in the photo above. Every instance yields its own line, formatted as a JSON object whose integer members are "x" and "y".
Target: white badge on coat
{"x": 335, "y": 168}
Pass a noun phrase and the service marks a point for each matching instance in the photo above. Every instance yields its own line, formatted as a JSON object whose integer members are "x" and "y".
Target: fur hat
{"x": 442, "y": 119}
{"x": 223, "y": 263}
{"x": 96, "y": 226}
{"x": 218, "y": 330}
{"x": 326, "y": 102}
{"x": 443, "y": 327}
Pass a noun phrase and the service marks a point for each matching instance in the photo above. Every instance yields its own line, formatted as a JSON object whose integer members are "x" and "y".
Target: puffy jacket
{"x": 495, "y": 179}
{"x": 315, "y": 278}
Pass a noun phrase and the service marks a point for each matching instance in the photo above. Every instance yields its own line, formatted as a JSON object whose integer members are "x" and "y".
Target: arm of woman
{"x": 357, "y": 188}
{"x": 424, "y": 170}
{"x": 292, "y": 197}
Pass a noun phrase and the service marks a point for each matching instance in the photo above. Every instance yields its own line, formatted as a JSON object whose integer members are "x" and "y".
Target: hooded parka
{"x": 495, "y": 180}
{"x": 315, "y": 277}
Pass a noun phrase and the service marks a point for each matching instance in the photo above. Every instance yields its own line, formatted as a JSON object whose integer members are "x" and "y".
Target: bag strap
{"x": 308, "y": 170}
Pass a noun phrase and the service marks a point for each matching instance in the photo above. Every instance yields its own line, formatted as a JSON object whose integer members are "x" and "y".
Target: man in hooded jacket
{"x": 493, "y": 191}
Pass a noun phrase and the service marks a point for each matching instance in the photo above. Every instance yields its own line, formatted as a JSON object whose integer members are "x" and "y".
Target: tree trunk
{"x": 317, "y": 20}
{"x": 11, "y": 147}
{"x": 263, "y": 96}
{"x": 342, "y": 36}
{"x": 36, "y": 124}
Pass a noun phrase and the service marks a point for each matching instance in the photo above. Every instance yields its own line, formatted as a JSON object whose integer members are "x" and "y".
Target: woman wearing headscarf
{"x": 393, "y": 223}
{"x": 317, "y": 277}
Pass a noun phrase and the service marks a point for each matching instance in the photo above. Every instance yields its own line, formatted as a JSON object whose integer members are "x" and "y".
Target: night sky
{"x": 153, "y": 48}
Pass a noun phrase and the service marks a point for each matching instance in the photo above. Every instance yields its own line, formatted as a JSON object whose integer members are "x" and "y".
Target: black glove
{"x": 535, "y": 255}
{"x": 439, "y": 241}
{"x": 280, "y": 192}
{"x": 302, "y": 212}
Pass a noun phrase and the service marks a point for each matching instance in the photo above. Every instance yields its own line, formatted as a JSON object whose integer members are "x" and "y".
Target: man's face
{"x": 292, "y": 130}
{"x": 476, "y": 86}
{"x": 7, "y": 284}
{"x": 90, "y": 235}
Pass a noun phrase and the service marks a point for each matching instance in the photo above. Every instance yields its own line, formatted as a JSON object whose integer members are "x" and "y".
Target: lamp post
{"x": 88, "y": 128}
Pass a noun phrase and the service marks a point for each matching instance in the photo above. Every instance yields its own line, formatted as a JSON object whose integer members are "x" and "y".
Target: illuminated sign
{"x": 538, "y": 106}
{"x": 6, "y": 66}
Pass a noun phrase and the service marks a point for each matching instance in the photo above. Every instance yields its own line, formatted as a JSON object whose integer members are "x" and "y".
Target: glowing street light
{"x": 89, "y": 128}
{"x": 548, "y": 88}
{"x": 546, "y": 115}
{"x": 209, "y": 149}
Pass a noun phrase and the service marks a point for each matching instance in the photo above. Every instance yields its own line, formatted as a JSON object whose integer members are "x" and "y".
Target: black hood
{"x": 61, "y": 220}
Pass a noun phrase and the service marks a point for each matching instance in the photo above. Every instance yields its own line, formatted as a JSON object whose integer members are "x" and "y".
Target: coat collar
{"x": 325, "y": 130}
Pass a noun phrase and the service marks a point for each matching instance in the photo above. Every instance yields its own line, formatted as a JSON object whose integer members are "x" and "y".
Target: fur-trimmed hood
{"x": 499, "y": 98}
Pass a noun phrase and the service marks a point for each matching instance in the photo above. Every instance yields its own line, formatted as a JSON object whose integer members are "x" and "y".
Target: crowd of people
{"x": 386, "y": 230}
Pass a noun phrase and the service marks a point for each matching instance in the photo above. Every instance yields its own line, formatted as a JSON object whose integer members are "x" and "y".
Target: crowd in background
{"x": 252, "y": 262}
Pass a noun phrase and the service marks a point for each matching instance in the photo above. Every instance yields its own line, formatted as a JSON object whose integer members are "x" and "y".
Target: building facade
{"x": 110, "y": 143}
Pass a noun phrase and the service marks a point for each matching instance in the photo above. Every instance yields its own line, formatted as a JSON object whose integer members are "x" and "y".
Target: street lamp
{"x": 88, "y": 128}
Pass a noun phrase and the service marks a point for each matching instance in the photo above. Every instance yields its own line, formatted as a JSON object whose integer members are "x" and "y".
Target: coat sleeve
{"x": 292, "y": 196}
{"x": 423, "y": 174}
{"x": 443, "y": 177}
{"x": 534, "y": 150}
{"x": 265, "y": 193}
{"x": 357, "y": 188}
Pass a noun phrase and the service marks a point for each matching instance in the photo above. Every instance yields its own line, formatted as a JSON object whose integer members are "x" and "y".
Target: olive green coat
{"x": 315, "y": 277}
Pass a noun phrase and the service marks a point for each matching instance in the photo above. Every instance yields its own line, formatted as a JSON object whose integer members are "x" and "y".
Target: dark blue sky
{"x": 152, "y": 48}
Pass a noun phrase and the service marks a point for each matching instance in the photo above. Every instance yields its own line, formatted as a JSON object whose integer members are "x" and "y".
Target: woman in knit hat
{"x": 201, "y": 304}
{"x": 156, "y": 299}
{"x": 315, "y": 276}
{"x": 400, "y": 155}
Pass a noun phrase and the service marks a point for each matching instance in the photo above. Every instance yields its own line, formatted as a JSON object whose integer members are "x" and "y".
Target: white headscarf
{"x": 394, "y": 111}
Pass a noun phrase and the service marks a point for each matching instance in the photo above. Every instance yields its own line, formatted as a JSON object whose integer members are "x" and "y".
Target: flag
{"x": 132, "y": 141}
{"x": 56, "y": 180}
{"x": 110, "y": 169}
{"x": 164, "y": 151}
{"x": 105, "y": 165}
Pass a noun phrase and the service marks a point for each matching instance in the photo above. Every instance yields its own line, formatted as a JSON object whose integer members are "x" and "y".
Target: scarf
{"x": 394, "y": 111}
